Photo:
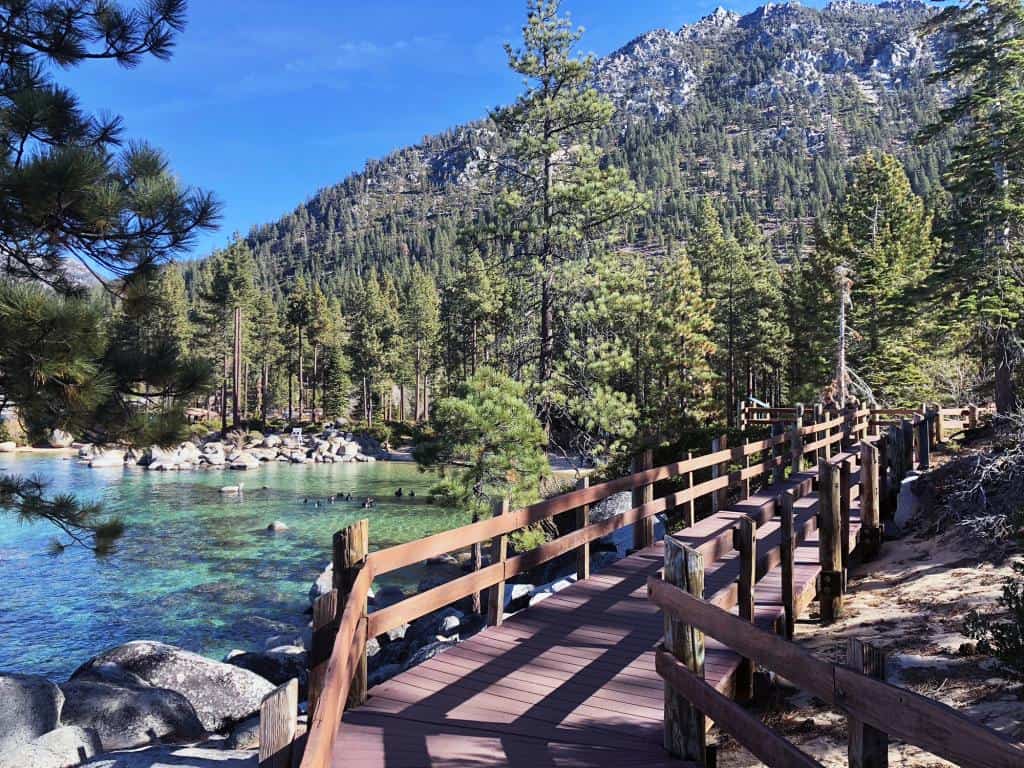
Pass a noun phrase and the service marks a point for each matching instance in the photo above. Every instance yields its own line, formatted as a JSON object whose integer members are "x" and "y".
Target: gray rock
{"x": 60, "y": 439}
{"x": 275, "y": 527}
{"x": 177, "y": 757}
{"x": 8, "y": 446}
{"x": 29, "y": 707}
{"x": 429, "y": 652}
{"x": 221, "y": 694}
{"x": 107, "y": 458}
{"x": 244, "y": 460}
{"x": 517, "y": 596}
{"x": 388, "y": 596}
{"x": 323, "y": 584}
{"x": 444, "y": 623}
{"x": 302, "y": 638}
{"x": 245, "y": 735}
{"x": 278, "y": 666}
{"x": 60, "y": 748}
{"x": 126, "y": 717}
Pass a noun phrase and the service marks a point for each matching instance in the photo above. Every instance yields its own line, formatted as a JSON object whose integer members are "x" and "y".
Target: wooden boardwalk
{"x": 571, "y": 681}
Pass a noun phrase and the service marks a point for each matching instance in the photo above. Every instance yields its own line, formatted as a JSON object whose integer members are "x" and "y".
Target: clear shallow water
{"x": 195, "y": 568}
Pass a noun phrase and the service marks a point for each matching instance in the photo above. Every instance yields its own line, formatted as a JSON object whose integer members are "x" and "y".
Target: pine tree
{"x": 267, "y": 350}
{"x": 421, "y": 328}
{"x": 882, "y": 234}
{"x": 228, "y": 286}
{"x": 985, "y": 176}
{"x": 559, "y": 195}
{"x": 72, "y": 192}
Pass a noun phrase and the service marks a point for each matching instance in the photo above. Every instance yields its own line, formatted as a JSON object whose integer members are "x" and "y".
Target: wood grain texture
{"x": 279, "y": 712}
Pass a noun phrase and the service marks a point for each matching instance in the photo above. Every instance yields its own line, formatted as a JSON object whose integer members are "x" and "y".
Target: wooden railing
{"x": 875, "y": 709}
{"x": 342, "y": 623}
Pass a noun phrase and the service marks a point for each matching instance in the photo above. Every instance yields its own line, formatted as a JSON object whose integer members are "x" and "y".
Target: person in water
{"x": 398, "y": 493}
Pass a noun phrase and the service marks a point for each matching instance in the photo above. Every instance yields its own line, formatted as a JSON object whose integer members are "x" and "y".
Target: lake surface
{"x": 195, "y": 567}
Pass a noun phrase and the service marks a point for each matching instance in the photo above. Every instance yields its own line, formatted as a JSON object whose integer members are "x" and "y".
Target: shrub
{"x": 1002, "y": 633}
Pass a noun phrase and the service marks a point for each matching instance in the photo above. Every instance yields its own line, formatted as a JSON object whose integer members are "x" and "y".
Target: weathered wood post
{"x": 279, "y": 713}
{"x": 884, "y": 503}
{"x": 499, "y": 551}
{"x": 643, "y": 530}
{"x": 907, "y": 463}
{"x": 796, "y": 442}
{"x": 745, "y": 542}
{"x": 819, "y": 411}
{"x": 778, "y": 472}
{"x": 830, "y": 530}
{"x": 940, "y": 425}
{"x": 868, "y": 747}
{"x": 788, "y": 548}
{"x": 351, "y": 546}
{"x": 685, "y": 731}
{"x": 325, "y": 627}
{"x": 720, "y": 497}
{"x": 476, "y": 559}
{"x": 691, "y": 504}
{"x": 582, "y": 521}
{"x": 972, "y": 416}
{"x": 873, "y": 426}
{"x": 849, "y": 427}
{"x": 844, "y": 516}
{"x": 924, "y": 441}
{"x": 870, "y": 511}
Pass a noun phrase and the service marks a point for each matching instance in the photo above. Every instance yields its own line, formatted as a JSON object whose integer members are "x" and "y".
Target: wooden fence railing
{"x": 875, "y": 709}
{"x": 342, "y": 623}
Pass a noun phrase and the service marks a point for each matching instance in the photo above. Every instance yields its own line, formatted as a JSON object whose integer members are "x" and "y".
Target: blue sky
{"x": 267, "y": 101}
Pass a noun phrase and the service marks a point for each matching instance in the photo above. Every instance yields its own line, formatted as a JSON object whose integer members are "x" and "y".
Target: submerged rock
{"x": 30, "y": 706}
{"x": 221, "y": 694}
{"x": 277, "y": 526}
{"x": 130, "y": 716}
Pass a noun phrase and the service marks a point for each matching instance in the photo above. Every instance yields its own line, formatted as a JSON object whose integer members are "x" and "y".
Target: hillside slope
{"x": 761, "y": 111}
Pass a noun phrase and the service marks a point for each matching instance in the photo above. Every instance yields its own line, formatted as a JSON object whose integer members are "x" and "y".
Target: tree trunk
{"x": 1005, "y": 399}
{"x": 236, "y": 370}
{"x": 315, "y": 350}
{"x": 302, "y": 399}
{"x": 224, "y": 399}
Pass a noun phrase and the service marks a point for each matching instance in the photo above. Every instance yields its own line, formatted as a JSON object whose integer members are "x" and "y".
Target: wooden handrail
{"x": 915, "y": 719}
{"x": 762, "y": 742}
{"x": 349, "y": 644}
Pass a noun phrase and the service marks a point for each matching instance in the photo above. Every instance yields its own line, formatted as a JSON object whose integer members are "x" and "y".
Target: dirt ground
{"x": 910, "y": 601}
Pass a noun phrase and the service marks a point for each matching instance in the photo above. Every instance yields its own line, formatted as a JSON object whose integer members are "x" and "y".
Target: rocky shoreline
{"x": 241, "y": 450}
{"x": 145, "y": 695}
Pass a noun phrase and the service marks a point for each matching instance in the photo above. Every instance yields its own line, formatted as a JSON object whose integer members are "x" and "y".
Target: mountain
{"x": 761, "y": 112}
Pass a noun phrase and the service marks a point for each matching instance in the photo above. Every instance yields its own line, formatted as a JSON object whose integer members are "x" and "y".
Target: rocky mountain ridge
{"x": 761, "y": 110}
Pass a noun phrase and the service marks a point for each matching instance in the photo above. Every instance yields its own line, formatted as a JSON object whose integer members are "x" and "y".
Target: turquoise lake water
{"x": 195, "y": 568}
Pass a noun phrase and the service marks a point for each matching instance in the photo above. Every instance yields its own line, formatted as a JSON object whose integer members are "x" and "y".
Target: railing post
{"x": 849, "y": 427}
{"x": 351, "y": 546}
{"x": 326, "y": 615}
{"x": 882, "y": 444}
{"x": 745, "y": 542}
{"x": 582, "y": 521}
{"x": 908, "y": 448}
{"x": 830, "y": 529}
{"x": 796, "y": 461}
{"x": 844, "y": 516}
{"x": 788, "y": 549}
{"x": 685, "y": 731}
{"x": 940, "y": 426}
{"x": 924, "y": 441}
{"x": 972, "y": 416}
{"x": 868, "y": 747}
{"x": 476, "y": 561}
{"x": 819, "y": 417}
{"x": 643, "y": 530}
{"x": 870, "y": 515}
{"x": 499, "y": 551}
{"x": 778, "y": 473}
{"x": 720, "y": 497}
{"x": 691, "y": 505}
{"x": 279, "y": 713}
